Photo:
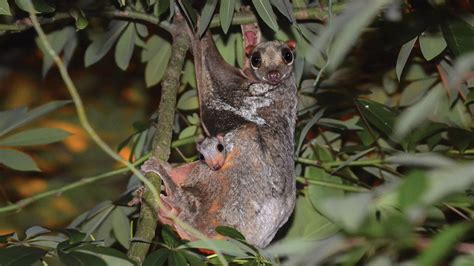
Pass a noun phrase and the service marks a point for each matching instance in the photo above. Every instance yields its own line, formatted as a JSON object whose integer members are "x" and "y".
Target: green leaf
{"x": 459, "y": 36}
{"x": 432, "y": 43}
{"x": 169, "y": 237}
{"x": 412, "y": 188}
{"x": 307, "y": 127}
{"x": 156, "y": 66}
{"x": 35, "y": 136}
{"x": 142, "y": 30}
{"x": 110, "y": 256}
{"x": 81, "y": 258}
{"x": 413, "y": 116}
{"x": 265, "y": 11}
{"x": 403, "y": 56}
{"x": 189, "y": 12}
{"x": 74, "y": 235}
{"x": 350, "y": 124}
{"x": 378, "y": 115}
{"x": 308, "y": 224}
{"x": 34, "y": 6}
{"x": 206, "y": 16}
{"x": 18, "y": 160}
{"x": 162, "y": 7}
{"x": 194, "y": 259}
{"x": 285, "y": 8}
{"x": 226, "y": 13}
{"x": 188, "y": 132}
{"x": 446, "y": 181}
{"x": 5, "y": 8}
{"x": 188, "y": 101}
{"x": 352, "y": 210}
{"x": 348, "y": 26}
{"x": 20, "y": 255}
{"x": 100, "y": 46}
{"x": 58, "y": 40}
{"x": 460, "y": 138}
{"x": 224, "y": 246}
{"x": 463, "y": 260}
{"x": 415, "y": 91}
{"x": 157, "y": 258}
{"x": 442, "y": 244}
{"x": 230, "y": 232}
{"x": 121, "y": 227}
{"x": 176, "y": 258}
{"x": 125, "y": 45}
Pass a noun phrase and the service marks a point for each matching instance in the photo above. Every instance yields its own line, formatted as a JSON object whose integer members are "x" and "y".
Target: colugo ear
{"x": 248, "y": 50}
{"x": 291, "y": 44}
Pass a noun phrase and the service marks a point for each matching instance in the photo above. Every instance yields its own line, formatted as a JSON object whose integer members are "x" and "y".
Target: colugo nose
{"x": 273, "y": 76}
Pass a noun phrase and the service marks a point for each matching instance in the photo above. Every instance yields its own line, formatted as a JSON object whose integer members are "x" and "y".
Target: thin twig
{"x": 83, "y": 120}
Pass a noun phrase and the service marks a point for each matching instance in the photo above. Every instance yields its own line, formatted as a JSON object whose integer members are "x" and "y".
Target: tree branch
{"x": 162, "y": 140}
{"x": 244, "y": 17}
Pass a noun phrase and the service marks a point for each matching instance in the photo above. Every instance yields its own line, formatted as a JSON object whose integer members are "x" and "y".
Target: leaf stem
{"x": 304, "y": 180}
{"x": 328, "y": 165}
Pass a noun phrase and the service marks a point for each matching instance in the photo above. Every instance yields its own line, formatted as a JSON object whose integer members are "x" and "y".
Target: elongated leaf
{"x": 19, "y": 117}
{"x": 188, "y": 101}
{"x": 121, "y": 227}
{"x": 10, "y": 117}
{"x": 34, "y": 6}
{"x": 157, "y": 258}
{"x": 206, "y": 16}
{"x": 80, "y": 258}
{"x": 352, "y": 210}
{"x": 17, "y": 160}
{"x": 5, "y": 8}
{"x": 35, "y": 136}
{"x": 20, "y": 255}
{"x": 157, "y": 65}
{"x": 125, "y": 45}
{"x": 432, "y": 43}
{"x": 109, "y": 255}
{"x": 308, "y": 224}
{"x": 403, "y": 56}
{"x": 416, "y": 90}
{"x": 306, "y": 129}
{"x": 142, "y": 30}
{"x": 230, "y": 232}
{"x": 58, "y": 40}
{"x": 412, "y": 189}
{"x": 226, "y": 13}
{"x": 176, "y": 258}
{"x": 378, "y": 115}
{"x": 459, "y": 36}
{"x": 99, "y": 47}
{"x": 223, "y": 246}
{"x": 419, "y": 112}
{"x": 442, "y": 244}
{"x": 439, "y": 185}
{"x": 285, "y": 8}
{"x": 265, "y": 11}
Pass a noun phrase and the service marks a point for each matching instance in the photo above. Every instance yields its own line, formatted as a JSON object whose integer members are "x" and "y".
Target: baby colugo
{"x": 212, "y": 151}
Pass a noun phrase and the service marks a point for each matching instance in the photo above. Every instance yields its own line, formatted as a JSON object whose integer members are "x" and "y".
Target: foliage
{"x": 384, "y": 137}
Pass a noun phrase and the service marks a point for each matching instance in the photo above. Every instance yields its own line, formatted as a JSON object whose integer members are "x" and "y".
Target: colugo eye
{"x": 287, "y": 55}
{"x": 256, "y": 60}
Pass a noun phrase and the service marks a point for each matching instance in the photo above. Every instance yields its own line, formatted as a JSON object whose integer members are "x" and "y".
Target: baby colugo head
{"x": 271, "y": 62}
{"x": 212, "y": 151}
